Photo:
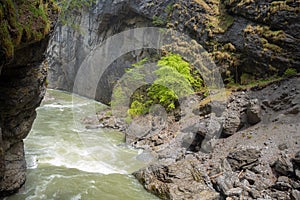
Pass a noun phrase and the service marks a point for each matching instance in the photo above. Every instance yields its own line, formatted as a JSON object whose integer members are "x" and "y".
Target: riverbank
{"x": 246, "y": 147}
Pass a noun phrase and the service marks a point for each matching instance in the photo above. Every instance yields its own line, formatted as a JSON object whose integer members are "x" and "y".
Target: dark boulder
{"x": 243, "y": 159}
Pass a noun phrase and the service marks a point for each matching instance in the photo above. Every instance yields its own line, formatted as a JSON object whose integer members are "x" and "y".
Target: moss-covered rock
{"x": 23, "y": 22}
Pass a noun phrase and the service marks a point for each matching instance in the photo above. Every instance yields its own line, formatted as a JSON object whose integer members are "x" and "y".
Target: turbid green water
{"x": 67, "y": 161}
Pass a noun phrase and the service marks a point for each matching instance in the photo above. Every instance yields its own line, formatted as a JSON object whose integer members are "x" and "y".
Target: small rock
{"x": 283, "y": 179}
{"x": 243, "y": 159}
{"x": 226, "y": 182}
{"x": 282, "y": 183}
{"x": 282, "y": 146}
{"x": 234, "y": 192}
{"x": 295, "y": 195}
{"x": 294, "y": 110}
{"x": 232, "y": 122}
{"x": 296, "y": 160}
{"x": 295, "y": 184}
{"x": 250, "y": 176}
{"x": 283, "y": 166}
{"x": 253, "y": 112}
{"x": 254, "y": 193}
{"x": 146, "y": 156}
{"x": 94, "y": 126}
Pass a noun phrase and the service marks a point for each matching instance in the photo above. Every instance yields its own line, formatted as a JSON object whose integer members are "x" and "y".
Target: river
{"x": 67, "y": 161}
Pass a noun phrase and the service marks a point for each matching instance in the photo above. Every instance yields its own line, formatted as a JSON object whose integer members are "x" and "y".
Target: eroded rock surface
{"x": 22, "y": 86}
{"x": 247, "y": 40}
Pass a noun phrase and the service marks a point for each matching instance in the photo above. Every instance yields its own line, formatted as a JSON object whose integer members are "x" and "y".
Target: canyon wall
{"x": 248, "y": 40}
{"x": 24, "y": 39}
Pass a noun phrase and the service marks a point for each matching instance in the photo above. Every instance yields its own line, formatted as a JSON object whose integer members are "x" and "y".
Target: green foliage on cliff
{"x": 26, "y": 21}
{"x": 175, "y": 78}
{"x": 23, "y": 22}
{"x": 290, "y": 72}
{"x": 69, "y": 7}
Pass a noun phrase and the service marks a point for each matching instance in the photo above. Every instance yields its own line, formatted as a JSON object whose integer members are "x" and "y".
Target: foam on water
{"x": 67, "y": 161}
{"x": 65, "y": 142}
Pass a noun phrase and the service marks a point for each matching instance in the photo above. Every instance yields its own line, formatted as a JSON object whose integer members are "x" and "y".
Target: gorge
{"x": 254, "y": 45}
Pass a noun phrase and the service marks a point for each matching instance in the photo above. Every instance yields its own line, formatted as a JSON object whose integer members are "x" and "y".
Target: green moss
{"x": 225, "y": 20}
{"x": 158, "y": 21}
{"x": 67, "y": 8}
{"x": 21, "y": 22}
{"x": 246, "y": 79}
{"x": 137, "y": 108}
{"x": 7, "y": 45}
{"x": 255, "y": 83}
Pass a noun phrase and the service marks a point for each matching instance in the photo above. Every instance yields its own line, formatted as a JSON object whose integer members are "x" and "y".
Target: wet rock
{"x": 243, "y": 159}
{"x": 94, "y": 126}
{"x": 15, "y": 169}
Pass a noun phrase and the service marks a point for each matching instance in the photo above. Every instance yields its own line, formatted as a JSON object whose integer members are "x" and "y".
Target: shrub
{"x": 137, "y": 108}
{"x": 158, "y": 21}
{"x": 290, "y": 72}
{"x": 176, "y": 78}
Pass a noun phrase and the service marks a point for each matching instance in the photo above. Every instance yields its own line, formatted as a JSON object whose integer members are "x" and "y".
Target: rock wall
{"x": 248, "y": 40}
{"x": 22, "y": 83}
{"x": 70, "y": 45}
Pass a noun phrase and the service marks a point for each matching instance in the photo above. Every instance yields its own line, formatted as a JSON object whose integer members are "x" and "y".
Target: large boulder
{"x": 174, "y": 181}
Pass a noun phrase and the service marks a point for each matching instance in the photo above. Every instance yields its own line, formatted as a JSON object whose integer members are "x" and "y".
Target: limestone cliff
{"x": 24, "y": 35}
{"x": 248, "y": 40}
